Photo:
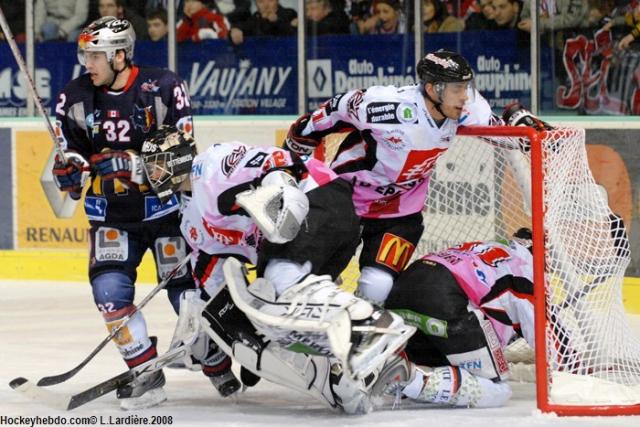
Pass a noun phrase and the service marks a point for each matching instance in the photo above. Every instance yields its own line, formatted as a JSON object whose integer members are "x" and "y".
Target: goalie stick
{"x": 67, "y": 402}
{"x": 60, "y": 378}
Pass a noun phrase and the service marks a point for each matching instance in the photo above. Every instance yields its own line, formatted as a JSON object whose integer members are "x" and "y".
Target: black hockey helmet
{"x": 168, "y": 156}
{"x": 524, "y": 237}
{"x": 443, "y": 66}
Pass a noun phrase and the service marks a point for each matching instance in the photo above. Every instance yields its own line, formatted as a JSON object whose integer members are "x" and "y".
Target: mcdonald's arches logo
{"x": 394, "y": 252}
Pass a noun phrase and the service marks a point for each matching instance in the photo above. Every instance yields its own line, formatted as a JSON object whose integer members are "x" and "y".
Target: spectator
{"x": 236, "y": 11}
{"x": 556, "y": 15}
{"x": 117, "y": 9}
{"x": 322, "y": 19}
{"x": 14, "y": 12}
{"x": 157, "y": 25}
{"x": 59, "y": 19}
{"x": 436, "y": 18}
{"x": 200, "y": 23}
{"x": 507, "y": 14}
{"x": 363, "y": 16}
{"x": 483, "y": 19}
{"x": 632, "y": 19}
{"x": 389, "y": 17}
{"x": 271, "y": 19}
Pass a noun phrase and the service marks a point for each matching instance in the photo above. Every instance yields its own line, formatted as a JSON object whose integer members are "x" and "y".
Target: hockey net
{"x": 590, "y": 360}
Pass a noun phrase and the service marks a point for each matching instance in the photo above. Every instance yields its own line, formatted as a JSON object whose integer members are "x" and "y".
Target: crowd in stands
{"x": 238, "y": 19}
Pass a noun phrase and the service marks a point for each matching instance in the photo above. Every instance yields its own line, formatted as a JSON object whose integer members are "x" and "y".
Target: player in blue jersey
{"x": 102, "y": 119}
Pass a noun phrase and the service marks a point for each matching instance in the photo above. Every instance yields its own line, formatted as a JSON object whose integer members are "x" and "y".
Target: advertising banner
{"x": 260, "y": 76}
{"x": 37, "y": 226}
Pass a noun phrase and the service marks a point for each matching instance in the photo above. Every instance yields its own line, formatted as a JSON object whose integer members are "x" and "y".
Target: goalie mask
{"x": 168, "y": 157}
{"x": 451, "y": 77}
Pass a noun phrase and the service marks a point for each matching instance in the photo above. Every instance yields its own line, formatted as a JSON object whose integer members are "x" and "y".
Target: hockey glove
{"x": 124, "y": 165}
{"x": 515, "y": 114}
{"x": 71, "y": 174}
{"x": 297, "y": 143}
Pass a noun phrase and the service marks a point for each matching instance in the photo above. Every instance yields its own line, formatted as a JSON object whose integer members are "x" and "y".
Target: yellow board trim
{"x": 72, "y": 266}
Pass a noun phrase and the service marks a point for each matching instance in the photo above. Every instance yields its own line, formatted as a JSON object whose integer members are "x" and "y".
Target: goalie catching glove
{"x": 71, "y": 173}
{"x": 277, "y": 206}
{"x": 124, "y": 165}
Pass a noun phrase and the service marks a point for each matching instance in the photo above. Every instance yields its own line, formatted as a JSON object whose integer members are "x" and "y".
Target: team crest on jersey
{"x": 354, "y": 103}
{"x": 142, "y": 118}
{"x": 230, "y": 161}
{"x": 150, "y": 86}
{"x": 223, "y": 235}
{"x": 395, "y": 139}
{"x": 194, "y": 233}
{"x": 418, "y": 164}
{"x": 488, "y": 254}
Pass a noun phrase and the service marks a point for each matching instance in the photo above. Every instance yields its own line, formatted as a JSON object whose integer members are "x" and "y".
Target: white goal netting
{"x": 479, "y": 191}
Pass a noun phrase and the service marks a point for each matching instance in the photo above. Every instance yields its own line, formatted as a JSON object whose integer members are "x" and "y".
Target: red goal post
{"x": 587, "y": 358}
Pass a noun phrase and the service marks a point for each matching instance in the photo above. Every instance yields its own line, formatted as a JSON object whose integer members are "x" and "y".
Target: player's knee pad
{"x": 374, "y": 285}
{"x": 487, "y": 360}
{"x": 283, "y": 274}
{"x": 112, "y": 291}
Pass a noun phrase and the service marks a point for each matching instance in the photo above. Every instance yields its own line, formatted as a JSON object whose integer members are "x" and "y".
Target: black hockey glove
{"x": 515, "y": 114}
{"x": 71, "y": 174}
{"x": 297, "y": 143}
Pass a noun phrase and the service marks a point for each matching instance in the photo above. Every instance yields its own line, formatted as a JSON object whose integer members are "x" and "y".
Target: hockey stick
{"x": 30, "y": 84}
{"x": 67, "y": 402}
{"x": 57, "y": 379}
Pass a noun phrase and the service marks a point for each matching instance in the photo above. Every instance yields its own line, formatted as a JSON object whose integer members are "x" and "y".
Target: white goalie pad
{"x": 278, "y": 211}
{"x": 318, "y": 317}
{"x": 188, "y": 331}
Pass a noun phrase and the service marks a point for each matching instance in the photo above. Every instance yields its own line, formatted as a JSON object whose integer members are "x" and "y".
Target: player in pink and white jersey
{"x": 468, "y": 302}
{"x": 294, "y": 218}
{"x": 395, "y": 136}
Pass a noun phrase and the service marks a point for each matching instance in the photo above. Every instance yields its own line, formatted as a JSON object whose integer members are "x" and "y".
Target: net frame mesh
{"x": 480, "y": 190}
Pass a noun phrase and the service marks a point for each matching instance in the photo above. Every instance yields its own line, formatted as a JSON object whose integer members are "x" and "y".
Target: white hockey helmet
{"x": 109, "y": 35}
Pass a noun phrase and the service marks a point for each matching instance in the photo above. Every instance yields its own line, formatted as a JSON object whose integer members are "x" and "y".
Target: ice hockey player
{"x": 467, "y": 302}
{"x": 394, "y": 137}
{"x": 294, "y": 219}
{"x": 102, "y": 119}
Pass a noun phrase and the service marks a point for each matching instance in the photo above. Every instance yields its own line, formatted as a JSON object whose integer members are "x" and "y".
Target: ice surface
{"x": 47, "y": 328}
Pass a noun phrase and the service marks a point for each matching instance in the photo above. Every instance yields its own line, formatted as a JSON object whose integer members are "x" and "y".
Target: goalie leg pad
{"x": 232, "y": 331}
{"x": 316, "y": 316}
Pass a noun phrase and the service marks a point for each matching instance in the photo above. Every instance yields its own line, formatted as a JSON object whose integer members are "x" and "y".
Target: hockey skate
{"x": 143, "y": 392}
{"x": 216, "y": 366}
{"x": 316, "y": 317}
